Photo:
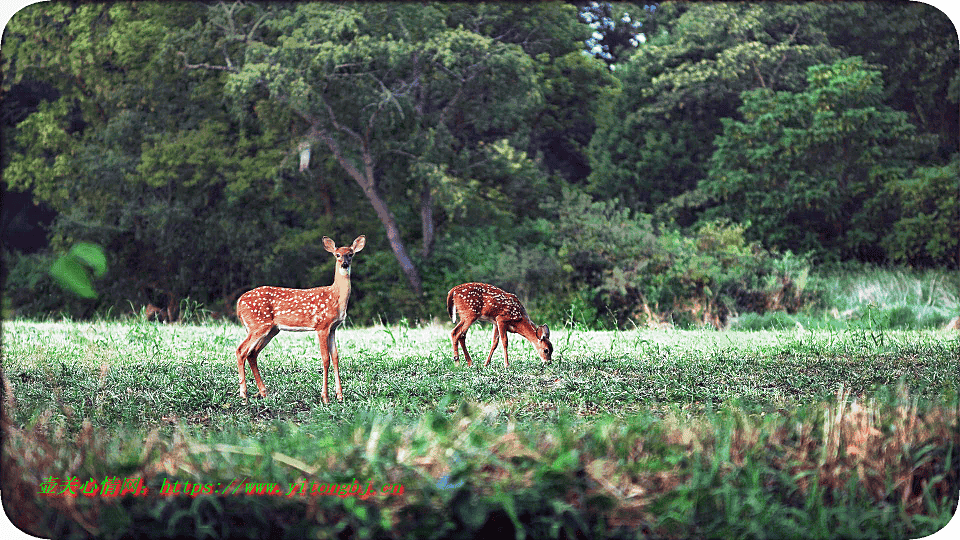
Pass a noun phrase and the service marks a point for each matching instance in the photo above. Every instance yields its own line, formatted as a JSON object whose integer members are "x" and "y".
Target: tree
{"x": 805, "y": 168}
{"x": 384, "y": 88}
{"x": 573, "y": 87}
{"x": 916, "y": 44}
{"x": 655, "y": 136}
{"x": 135, "y": 157}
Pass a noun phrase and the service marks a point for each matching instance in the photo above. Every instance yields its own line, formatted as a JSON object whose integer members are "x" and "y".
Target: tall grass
{"x": 888, "y": 298}
{"x": 886, "y": 467}
{"x": 913, "y": 298}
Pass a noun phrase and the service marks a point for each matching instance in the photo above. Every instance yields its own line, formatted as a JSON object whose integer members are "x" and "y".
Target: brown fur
{"x": 265, "y": 311}
{"x": 480, "y": 301}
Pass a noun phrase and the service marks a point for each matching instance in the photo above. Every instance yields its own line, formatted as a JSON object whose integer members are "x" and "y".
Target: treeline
{"x": 634, "y": 163}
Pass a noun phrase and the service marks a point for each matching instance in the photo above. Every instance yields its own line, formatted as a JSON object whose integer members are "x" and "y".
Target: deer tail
{"x": 450, "y": 310}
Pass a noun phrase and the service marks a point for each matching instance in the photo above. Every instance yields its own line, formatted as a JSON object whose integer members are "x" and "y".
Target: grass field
{"x": 672, "y": 433}
{"x": 147, "y": 375}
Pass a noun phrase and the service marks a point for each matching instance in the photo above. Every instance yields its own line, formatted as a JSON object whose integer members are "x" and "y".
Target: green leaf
{"x": 72, "y": 270}
{"x": 72, "y": 276}
{"x": 92, "y": 255}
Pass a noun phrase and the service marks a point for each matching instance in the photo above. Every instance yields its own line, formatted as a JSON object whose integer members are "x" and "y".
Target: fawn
{"x": 265, "y": 311}
{"x": 474, "y": 301}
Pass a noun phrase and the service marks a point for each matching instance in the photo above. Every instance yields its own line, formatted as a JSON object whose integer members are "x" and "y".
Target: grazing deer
{"x": 265, "y": 311}
{"x": 474, "y": 301}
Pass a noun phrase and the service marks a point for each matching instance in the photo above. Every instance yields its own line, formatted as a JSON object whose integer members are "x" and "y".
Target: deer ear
{"x": 329, "y": 245}
{"x": 544, "y": 332}
{"x": 359, "y": 243}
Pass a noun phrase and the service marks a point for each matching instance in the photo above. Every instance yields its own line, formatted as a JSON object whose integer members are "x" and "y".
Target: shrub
{"x": 645, "y": 274}
{"x": 775, "y": 320}
{"x": 928, "y": 232}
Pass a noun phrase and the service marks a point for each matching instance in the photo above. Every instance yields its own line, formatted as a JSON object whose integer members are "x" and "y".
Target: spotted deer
{"x": 265, "y": 311}
{"x": 472, "y": 301}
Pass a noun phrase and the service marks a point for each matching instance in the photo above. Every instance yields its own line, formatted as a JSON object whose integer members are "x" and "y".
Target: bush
{"x": 514, "y": 260}
{"x": 643, "y": 274}
{"x": 929, "y": 231}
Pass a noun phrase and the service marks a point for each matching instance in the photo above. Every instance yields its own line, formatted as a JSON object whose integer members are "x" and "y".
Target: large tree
{"x": 805, "y": 168}
{"x": 386, "y": 91}
{"x": 135, "y": 156}
{"x": 916, "y": 44}
{"x": 655, "y": 136}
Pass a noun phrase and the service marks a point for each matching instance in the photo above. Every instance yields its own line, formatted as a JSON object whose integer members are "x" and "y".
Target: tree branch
{"x": 337, "y": 125}
{"x": 204, "y": 65}
{"x": 776, "y": 69}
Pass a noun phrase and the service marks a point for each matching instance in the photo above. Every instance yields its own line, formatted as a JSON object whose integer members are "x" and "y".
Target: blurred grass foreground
{"x": 886, "y": 467}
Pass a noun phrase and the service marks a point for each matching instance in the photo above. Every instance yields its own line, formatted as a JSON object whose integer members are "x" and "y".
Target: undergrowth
{"x": 886, "y": 467}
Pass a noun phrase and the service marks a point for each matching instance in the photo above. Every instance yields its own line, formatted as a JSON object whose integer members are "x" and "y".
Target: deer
{"x": 267, "y": 310}
{"x": 473, "y": 301}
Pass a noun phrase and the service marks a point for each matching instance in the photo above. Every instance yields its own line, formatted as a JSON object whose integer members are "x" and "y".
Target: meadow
{"x": 658, "y": 433}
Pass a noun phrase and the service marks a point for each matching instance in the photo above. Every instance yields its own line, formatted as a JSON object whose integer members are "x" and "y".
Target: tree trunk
{"x": 393, "y": 234}
{"x": 365, "y": 180}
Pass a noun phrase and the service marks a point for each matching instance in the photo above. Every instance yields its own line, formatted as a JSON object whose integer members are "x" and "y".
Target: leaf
{"x": 72, "y": 270}
{"x": 92, "y": 255}
{"x": 72, "y": 276}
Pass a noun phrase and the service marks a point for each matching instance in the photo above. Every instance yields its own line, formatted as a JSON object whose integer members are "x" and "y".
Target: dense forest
{"x": 635, "y": 163}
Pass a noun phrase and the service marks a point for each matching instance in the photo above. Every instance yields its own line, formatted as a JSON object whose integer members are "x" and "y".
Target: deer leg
{"x": 503, "y": 336}
{"x": 335, "y": 357}
{"x": 241, "y": 367}
{"x": 323, "y": 336}
{"x": 499, "y": 333}
{"x": 249, "y": 349}
{"x": 456, "y": 341}
{"x": 261, "y": 388}
{"x": 461, "y": 338}
{"x": 254, "y": 353}
{"x": 496, "y": 341}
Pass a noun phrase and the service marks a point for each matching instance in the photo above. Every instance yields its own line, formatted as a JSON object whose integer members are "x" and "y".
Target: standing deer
{"x": 265, "y": 311}
{"x": 474, "y": 301}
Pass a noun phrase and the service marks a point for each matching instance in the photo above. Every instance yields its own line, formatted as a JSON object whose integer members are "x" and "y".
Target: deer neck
{"x": 527, "y": 329}
{"x": 341, "y": 286}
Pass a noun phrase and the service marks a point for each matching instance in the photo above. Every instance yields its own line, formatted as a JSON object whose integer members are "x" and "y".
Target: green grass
{"x": 676, "y": 433}
{"x": 868, "y": 297}
{"x": 903, "y": 298}
{"x": 148, "y": 375}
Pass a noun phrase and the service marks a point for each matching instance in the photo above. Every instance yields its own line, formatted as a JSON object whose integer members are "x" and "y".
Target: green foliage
{"x": 29, "y": 289}
{"x": 655, "y": 132}
{"x": 575, "y": 87}
{"x": 928, "y": 229}
{"x": 46, "y": 165}
{"x": 918, "y": 80}
{"x": 72, "y": 270}
{"x": 809, "y": 167}
{"x": 168, "y": 133}
{"x": 642, "y": 275}
{"x": 493, "y": 255}
{"x": 601, "y": 247}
